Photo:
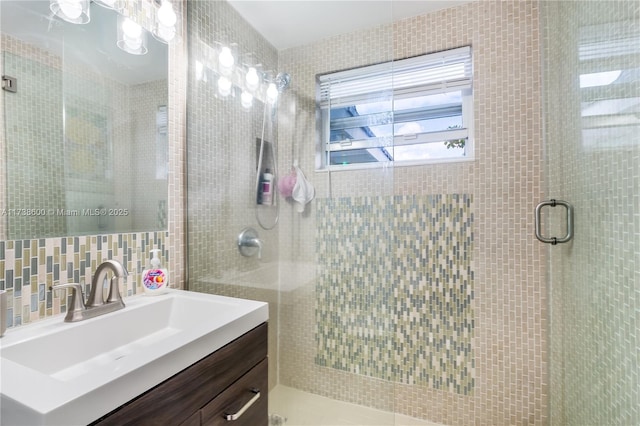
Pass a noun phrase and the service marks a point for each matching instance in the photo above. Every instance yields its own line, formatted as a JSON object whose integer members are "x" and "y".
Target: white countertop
{"x": 57, "y": 373}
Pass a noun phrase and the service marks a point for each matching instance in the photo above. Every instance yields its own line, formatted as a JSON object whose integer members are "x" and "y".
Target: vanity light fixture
{"x": 132, "y": 38}
{"x": 74, "y": 11}
{"x": 165, "y": 25}
{"x": 239, "y": 75}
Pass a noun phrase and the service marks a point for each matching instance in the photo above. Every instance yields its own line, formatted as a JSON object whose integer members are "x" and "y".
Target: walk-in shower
{"x": 421, "y": 290}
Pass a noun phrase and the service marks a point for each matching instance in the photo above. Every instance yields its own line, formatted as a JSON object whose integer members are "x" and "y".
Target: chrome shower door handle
{"x": 554, "y": 240}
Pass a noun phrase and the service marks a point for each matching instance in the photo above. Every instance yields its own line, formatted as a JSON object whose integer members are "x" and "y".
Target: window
{"x": 411, "y": 111}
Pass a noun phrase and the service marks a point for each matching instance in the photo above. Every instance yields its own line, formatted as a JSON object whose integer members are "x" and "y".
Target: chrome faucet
{"x": 96, "y": 305}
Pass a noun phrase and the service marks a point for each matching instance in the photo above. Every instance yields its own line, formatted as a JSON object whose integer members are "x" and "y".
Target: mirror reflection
{"x": 85, "y": 124}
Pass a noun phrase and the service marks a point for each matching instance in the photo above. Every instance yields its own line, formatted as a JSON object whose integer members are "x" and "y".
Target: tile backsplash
{"x": 28, "y": 269}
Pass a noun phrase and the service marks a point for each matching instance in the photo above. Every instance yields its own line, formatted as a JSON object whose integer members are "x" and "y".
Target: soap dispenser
{"x": 155, "y": 280}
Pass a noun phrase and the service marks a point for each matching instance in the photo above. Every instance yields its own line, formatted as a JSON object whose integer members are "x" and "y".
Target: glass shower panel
{"x": 336, "y": 327}
{"x": 222, "y": 158}
{"x": 470, "y": 309}
{"x": 325, "y": 271}
{"x": 592, "y": 89}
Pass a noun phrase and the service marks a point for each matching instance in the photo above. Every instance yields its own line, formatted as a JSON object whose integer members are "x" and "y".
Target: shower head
{"x": 282, "y": 81}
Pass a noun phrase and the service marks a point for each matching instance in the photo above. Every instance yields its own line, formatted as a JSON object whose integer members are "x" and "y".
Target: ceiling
{"x": 287, "y": 24}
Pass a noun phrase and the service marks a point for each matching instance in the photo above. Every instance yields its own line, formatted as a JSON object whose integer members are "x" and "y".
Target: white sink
{"x": 54, "y": 372}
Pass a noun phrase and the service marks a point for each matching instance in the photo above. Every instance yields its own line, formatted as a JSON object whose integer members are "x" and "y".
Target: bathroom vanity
{"x": 179, "y": 358}
{"x": 228, "y": 385}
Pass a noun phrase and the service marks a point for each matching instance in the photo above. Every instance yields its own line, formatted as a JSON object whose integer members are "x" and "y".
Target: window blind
{"x": 440, "y": 71}
{"x": 422, "y": 103}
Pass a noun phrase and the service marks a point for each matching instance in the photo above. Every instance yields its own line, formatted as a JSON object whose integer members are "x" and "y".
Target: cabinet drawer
{"x": 179, "y": 397}
{"x": 247, "y": 399}
{"x": 193, "y": 420}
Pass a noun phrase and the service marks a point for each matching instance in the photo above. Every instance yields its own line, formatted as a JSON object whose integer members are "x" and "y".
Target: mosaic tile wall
{"x": 399, "y": 309}
{"x": 505, "y": 182}
{"x": 595, "y": 284}
{"x": 28, "y": 268}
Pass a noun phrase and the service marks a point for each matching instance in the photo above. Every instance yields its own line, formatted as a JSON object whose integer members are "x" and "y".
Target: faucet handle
{"x": 257, "y": 242}
{"x": 249, "y": 243}
{"x": 77, "y": 301}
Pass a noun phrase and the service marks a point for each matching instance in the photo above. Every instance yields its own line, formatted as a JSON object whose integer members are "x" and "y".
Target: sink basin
{"x": 54, "y": 372}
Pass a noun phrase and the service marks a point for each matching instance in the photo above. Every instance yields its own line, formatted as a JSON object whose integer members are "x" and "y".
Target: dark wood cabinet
{"x": 221, "y": 384}
{"x": 246, "y": 399}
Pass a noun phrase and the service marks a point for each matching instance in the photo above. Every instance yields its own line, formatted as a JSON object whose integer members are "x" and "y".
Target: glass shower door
{"x": 592, "y": 91}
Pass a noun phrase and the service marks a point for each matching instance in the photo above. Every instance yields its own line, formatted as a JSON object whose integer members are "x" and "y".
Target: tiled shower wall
{"x": 222, "y": 165}
{"x": 30, "y": 266}
{"x": 222, "y": 147}
{"x": 595, "y": 280}
{"x": 506, "y": 357}
{"x": 398, "y": 309}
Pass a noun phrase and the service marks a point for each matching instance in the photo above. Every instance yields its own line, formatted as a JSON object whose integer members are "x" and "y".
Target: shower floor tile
{"x": 306, "y": 409}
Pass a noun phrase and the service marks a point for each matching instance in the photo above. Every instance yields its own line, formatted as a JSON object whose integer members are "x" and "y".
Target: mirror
{"x": 85, "y": 126}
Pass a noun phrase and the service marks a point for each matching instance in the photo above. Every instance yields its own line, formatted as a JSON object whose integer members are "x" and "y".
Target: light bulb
{"x": 131, "y": 37}
{"x": 71, "y": 8}
{"x": 131, "y": 29}
{"x": 253, "y": 79}
{"x": 226, "y": 60}
{"x": 246, "y": 99}
{"x": 74, "y": 11}
{"x": 166, "y": 16}
{"x": 272, "y": 93}
{"x": 165, "y": 34}
{"x": 224, "y": 86}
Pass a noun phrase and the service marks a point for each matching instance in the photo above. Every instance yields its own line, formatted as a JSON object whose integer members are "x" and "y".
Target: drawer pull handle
{"x": 245, "y": 407}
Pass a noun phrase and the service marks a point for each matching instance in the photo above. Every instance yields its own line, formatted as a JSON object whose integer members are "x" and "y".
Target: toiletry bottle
{"x": 259, "y": 195}
{"x": 155, "y": 280}
{"x": 267, "y": 187}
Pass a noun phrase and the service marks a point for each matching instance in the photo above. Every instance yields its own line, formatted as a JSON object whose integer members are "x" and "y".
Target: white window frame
{"x": 434, "y": 73}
